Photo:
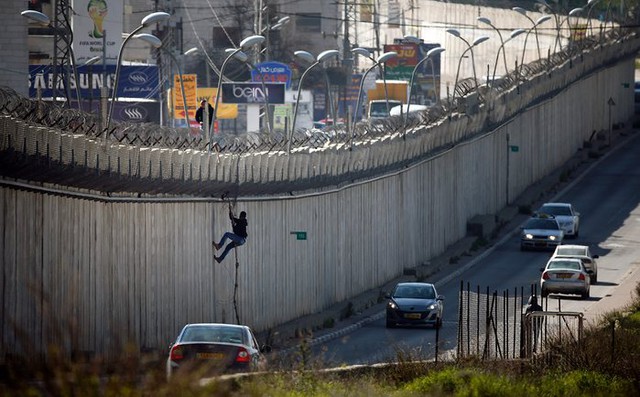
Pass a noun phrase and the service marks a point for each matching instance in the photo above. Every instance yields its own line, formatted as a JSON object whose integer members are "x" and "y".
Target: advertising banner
{"x": 190, "y": 83}
{"x": 131, "y": 112}
{"x": 225, "y": 110}
{"x": 253, "y": 93}
{"x": 94, "y": 23}
{"x": 134, "y": 81}
{"x": 272, "y": 72}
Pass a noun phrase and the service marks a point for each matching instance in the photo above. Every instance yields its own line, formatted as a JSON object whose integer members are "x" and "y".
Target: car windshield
{"x": 540, "y": 223}
{"x": 564, "y": 265}
{"x": 415, "y": 291}
{"x": 212, "y": 334}
{"x": 555, "y": 210}
{"x": 571, "y": 251}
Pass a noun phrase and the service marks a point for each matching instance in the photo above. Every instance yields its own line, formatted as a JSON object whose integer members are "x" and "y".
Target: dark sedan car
{"x": 213, "y": 349}
{"x": 414, "y": 304}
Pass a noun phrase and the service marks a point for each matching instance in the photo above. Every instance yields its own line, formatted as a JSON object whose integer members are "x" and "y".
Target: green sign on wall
{"x": 300, "y": 235}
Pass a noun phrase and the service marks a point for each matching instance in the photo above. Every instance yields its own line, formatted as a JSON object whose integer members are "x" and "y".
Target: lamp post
{"x": 477, "y": 41}
{"x": 514, "y": 33}
{"x": 244, "y": 44}
{"x": 572, "y": 13}
{"x": 365, "y": 53}
{"x": 590, "y": 4}
{"x": 157, "y": 43}
{"x": 44, "y": 20}
{"x": 430, "y": 55}
{"x": 90, "y": 64}
{"x": 277, "y": 26}
{"x": 323, "y": 56}
{"x": 557, "y": 21}
{"x": 487, "y": 21}
{"x": 377, "y": 62}
{"x": 523, "y": 12}
{"x": 146, "y": 21}
{"x": 244, "y": 58}
{"x": 540, "y": 20}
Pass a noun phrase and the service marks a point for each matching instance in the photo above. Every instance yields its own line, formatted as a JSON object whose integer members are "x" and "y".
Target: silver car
{"x": 414, "y": 304}
{"x": 565, "y": 214}
{"x": 541, "y": 233}
{"x": 565, "y": 276}
{"x": 581, "y": 252}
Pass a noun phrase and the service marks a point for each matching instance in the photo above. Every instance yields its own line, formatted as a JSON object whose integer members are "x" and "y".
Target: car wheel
{"x": 544, "y": 293}
{"x": 594, "y": 279}
{"x": 391, "y": 324}
{"x": 585, "y": 294}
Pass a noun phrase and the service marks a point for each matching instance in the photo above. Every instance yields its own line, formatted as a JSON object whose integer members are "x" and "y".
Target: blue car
{"x": 414, "y": 303}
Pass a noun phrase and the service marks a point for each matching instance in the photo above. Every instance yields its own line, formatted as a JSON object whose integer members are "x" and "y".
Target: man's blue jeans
{"x": 236, "y": 241}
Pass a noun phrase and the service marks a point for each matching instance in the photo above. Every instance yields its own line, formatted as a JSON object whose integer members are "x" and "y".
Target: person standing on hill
{"x": 238, "y": 237}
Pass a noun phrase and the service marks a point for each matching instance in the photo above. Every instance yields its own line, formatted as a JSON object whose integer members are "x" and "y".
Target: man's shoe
{"x": 216, "y": 246}
{"x": 216, "y": 258}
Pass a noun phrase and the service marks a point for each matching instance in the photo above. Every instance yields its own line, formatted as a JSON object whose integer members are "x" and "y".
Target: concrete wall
{"x": 105, "y": 271}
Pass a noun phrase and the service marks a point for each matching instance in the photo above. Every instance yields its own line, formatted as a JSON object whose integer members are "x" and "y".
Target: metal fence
{"x": 496, "y": 325}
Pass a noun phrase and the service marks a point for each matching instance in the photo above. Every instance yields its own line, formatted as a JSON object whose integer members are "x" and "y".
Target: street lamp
{"x": 515, "y": 33}
{"x": 487, "y": 21}
{"x": 478, "y": 40}
{"x": 573, "y": 13}
{"x": 523, "y": 12}
{"x": 590, "y": 4}
{"x": 323, "y": 56}
{"x": 244, "y": 45}
{"x": 377, "y": 63}
{"x": 157, "y": 43}
{"x": 557, "y": 21}
{"x": 365, "y": 53}
{"x": 430, "y": 55}
{"x": 146, "y": 21}
{"x": 44, "y": 20}
{"x": 277, "y": 26}
{"x": 244, "y": 58}
{"x": 540, "y": 20}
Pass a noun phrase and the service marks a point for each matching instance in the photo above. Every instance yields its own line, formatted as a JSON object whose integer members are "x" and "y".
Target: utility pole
{"x": 62, "y": 39}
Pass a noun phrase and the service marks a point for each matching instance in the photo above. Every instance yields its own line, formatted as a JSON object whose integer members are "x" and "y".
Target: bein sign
{"x": 271, "y": 93}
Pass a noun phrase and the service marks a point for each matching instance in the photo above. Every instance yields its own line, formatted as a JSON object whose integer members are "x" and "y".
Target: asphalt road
{"x": 607, "y": 196}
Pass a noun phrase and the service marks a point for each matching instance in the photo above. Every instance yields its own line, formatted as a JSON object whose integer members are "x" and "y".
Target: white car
{"x": 565, "y": 214}
{"x": 565, "y": 276}
{"x": 581, "y": 252}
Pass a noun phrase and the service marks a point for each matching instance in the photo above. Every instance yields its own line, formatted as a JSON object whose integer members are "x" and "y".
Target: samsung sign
{"x": 271, "y": 93}
{"x": 133, "y": 82}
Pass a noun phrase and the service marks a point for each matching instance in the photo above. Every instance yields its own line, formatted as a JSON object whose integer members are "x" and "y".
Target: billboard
{"x": 96, "y": 23}
{"x": 134, "y": 81}
{"x": 248, "y": 93}
{"x": 190, "y": 83}
{"x": 131, "y": 112}
{"x": 272, "y": 72}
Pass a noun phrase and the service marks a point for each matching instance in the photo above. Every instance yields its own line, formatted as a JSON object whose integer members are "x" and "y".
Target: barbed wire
{"x": 153, "y": 135}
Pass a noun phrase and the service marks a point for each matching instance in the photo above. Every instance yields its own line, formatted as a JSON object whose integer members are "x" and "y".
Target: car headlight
{"x": 432, "y": 306}
{"x": 528, "y": 236}
{"x": 552, "y": 238}
{"x": 392, "y": 305}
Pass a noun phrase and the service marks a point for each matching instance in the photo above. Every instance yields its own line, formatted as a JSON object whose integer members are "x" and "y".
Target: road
{"x": 607, "y": 196}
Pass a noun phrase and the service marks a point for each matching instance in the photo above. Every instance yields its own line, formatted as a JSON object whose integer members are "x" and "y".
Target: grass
{"x": 605, "y": 363}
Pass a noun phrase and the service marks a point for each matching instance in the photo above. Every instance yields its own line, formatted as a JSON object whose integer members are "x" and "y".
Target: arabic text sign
{"x": 189, "y": 81}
